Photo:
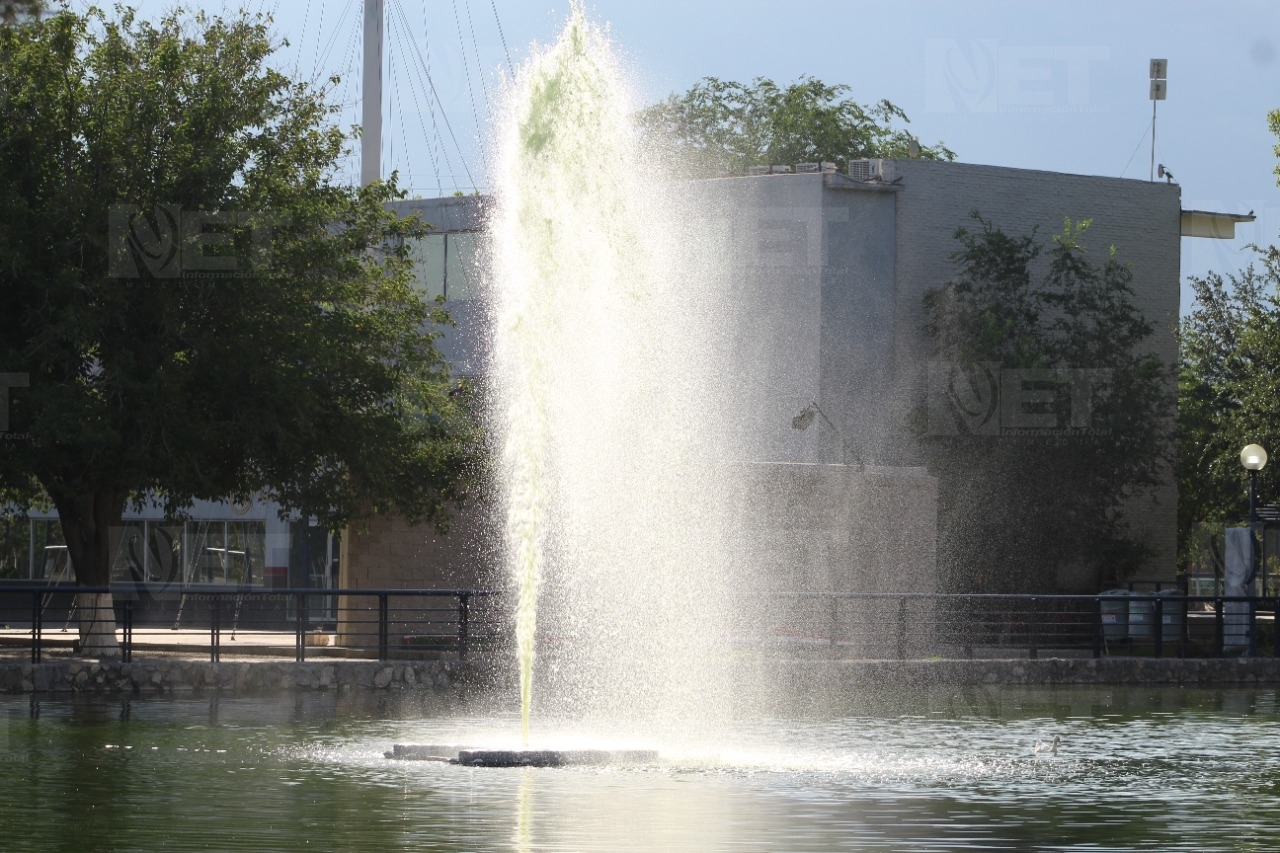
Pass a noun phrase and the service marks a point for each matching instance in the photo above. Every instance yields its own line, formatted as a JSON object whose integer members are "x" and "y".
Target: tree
{"x": 1047, "y": 416}
{"x": 190, "y": 306}
{"x": 721, "y": 127}
{"x": 1229, "y": 356}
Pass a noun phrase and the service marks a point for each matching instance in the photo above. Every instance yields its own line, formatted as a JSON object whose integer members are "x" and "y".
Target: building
{"x": 832, "y": 269}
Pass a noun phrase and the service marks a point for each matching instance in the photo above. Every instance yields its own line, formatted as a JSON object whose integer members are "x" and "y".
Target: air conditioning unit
{"x": 808, "y": 167}
{"x": 878, "y": 171}
{"x": 780, "y": 170}
{"x": 753, "y": 171}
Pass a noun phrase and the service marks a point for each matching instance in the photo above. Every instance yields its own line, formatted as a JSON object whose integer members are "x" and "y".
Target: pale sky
{"x": 1056, "y": 86}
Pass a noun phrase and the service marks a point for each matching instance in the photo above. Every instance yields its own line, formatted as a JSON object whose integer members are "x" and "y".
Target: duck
{"x": 1051, "y": 748}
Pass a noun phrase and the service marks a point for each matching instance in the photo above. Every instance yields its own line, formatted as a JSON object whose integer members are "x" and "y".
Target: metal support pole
{"x": 1218, "y": 628}
{"x": 382, "y": 625}
{"x": 126, "y": 647}
{"x": 464, "y": 628}
{"x": 835, "y": 621}
{"x": 371, "y": 84}
{"x": 902, "y": 628}
{"x": 215, "y": 629}
{"x": 1275, "y": 633}
{"x": 1153, "y": 140}
{"x": 1033, "y": 652}
{"x": 37, "y": 613}
{"x": 1098, "y": 629}
{"x": 968, "y": 629}
{"x": 300, "y": 627}
{"x": 1158, "y": 627}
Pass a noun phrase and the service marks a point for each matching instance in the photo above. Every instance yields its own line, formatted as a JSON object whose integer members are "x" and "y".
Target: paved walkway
{"x": 186, "y": 642}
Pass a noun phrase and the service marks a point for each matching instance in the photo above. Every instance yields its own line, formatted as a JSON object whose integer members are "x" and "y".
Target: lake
{"x": 943, "y": 768}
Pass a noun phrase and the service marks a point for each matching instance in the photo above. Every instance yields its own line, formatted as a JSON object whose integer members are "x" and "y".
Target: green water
{"x": 946, "y": 769}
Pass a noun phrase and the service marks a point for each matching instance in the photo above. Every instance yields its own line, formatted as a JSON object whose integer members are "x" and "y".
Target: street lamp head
{"x": 1253, "y": 457}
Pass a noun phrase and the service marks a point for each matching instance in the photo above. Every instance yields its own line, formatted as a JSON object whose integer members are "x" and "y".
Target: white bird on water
{"x": 1051, "y": 748}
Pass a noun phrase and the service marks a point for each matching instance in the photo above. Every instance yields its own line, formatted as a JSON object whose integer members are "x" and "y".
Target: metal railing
{"x": 407, "y": 623}
{"x": 915, "y": 626}
{"x": 377, "y": 623}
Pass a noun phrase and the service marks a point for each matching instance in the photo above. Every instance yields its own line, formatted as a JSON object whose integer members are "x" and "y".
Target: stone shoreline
{"x": 163, "y": 677}
{"x": 1188, "y": 672}
{"x": 170, "y": 676}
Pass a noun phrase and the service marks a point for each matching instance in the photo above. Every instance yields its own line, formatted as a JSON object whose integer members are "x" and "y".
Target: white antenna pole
{"x": 1152, "y": 176}
{"x": 371, "y": 138}
{"x": 1159, "y": 88}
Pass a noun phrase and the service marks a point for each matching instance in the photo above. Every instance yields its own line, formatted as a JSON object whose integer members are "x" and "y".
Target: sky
{"x": 1062, "y": 87}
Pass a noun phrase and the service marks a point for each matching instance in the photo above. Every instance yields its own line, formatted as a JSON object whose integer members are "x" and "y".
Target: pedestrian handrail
{"x": 918, "y": 625}
{"x": 389, "y": 623}
{"x": 381, "y": 623}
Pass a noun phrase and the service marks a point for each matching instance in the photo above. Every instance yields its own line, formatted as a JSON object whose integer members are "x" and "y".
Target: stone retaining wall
{"x": 796, "y": 677}
{"x": 179, "y": 676}
{"x": 806, "y": 676}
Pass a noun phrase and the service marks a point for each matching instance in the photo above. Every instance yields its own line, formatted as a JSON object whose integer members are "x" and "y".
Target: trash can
{"x": 1114, "y": 610}
{"x": 1173, "y": 615}
{"x": 1142, "y": 613}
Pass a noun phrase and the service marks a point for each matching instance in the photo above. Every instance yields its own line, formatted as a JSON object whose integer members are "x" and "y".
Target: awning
{"x": 1219, "y": 226}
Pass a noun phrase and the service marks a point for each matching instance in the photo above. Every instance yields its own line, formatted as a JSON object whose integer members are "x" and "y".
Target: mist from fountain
{"x": 611, "y": 404}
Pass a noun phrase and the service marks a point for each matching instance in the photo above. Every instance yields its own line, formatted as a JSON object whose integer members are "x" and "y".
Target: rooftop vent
{"x": 824, "y": 166}
{"x": 875, "y": 171}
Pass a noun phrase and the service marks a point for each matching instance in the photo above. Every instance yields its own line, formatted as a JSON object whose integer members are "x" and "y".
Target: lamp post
{"x": 802, "y": 421}
{"x": 1254, "y": 459}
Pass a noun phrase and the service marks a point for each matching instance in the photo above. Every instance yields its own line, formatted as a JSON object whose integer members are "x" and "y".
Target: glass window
{"x": 49, "y": 550}
{"x": 428, "y": 264}
{"x": 462, "y": 273}
{"x": 15, "y": 547}
{"x": 129, "y": 552}
{"x": 226, "y": 552}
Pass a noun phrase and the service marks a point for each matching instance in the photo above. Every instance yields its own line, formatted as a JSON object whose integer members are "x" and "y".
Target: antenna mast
{"x": 371, "y": 83}
{"x": 1159, "y": 87}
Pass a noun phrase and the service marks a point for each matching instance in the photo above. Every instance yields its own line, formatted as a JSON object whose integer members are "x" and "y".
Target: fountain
{"x": 616, "y": 448}
{"x": 608, "y": 407}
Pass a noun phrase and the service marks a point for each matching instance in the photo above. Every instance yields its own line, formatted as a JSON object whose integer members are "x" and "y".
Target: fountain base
{"x": 520, "y": 757}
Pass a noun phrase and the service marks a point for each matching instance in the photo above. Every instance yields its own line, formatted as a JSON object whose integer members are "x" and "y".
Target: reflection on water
{"x": 939, "y": 769}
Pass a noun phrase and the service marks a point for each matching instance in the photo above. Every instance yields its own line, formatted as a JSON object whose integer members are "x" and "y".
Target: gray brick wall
{"x": 1141, "y": 219}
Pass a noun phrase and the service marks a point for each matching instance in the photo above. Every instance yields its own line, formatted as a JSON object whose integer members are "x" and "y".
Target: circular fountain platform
{"x": 520, "y": 757}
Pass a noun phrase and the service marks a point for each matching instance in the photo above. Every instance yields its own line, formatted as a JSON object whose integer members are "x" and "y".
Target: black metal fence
{"x": 915, "y": 626}
{"x": 381, "y": 623}
{"x": 386, "y": 623}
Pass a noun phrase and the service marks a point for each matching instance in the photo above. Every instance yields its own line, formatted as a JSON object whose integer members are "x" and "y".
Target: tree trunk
{"x": 87, "y": 521}
{"x": 97, "y": 615}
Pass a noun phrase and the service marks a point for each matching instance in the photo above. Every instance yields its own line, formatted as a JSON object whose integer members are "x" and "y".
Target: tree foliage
{"x": 720, "y": 127}
{"x": 1041, "y": 509}
{"x": 307, "y": 372}
{"x": 1229, "y": 358}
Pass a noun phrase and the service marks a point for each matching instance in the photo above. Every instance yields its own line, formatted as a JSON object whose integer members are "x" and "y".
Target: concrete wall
{"x": 827, "y": 277}
{"x": 1141, "y": 219}
{"x": 858, "y": 325}
{"x": 464, "y": 343}
{"x": 390, "y": 553}
{"x": 838, "y": 528}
